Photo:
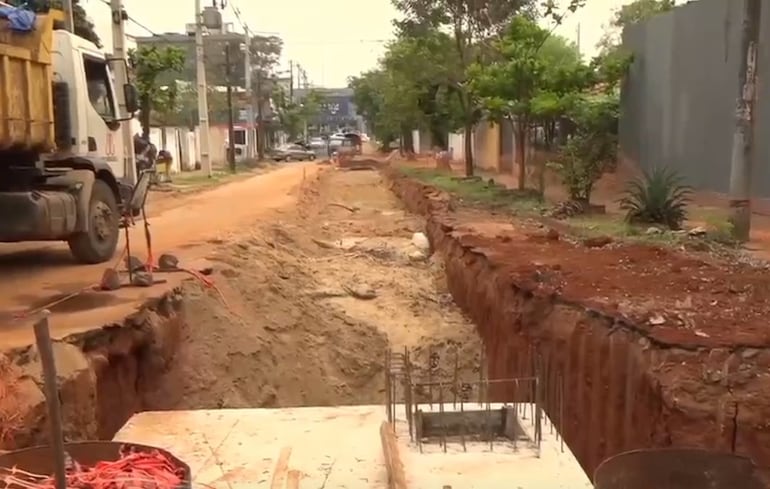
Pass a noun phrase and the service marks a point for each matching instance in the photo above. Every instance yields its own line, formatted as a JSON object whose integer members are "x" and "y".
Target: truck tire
{"x": 98, "y": 244}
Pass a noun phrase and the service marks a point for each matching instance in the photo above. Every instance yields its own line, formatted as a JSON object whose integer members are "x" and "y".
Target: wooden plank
{"x": 393, "y": 464}
{"x": 292, "y": 481}
{"x": 281, "y": 469}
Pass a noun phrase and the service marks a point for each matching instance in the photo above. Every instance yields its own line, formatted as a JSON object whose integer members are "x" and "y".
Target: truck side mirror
{"x": 132, "y": 98}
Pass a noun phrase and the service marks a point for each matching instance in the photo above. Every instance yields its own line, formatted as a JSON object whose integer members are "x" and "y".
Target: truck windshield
{"x": 99, "y": 87}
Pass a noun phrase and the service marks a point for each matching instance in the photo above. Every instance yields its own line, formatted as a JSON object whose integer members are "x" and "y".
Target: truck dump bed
{"x": 26, "y": 97}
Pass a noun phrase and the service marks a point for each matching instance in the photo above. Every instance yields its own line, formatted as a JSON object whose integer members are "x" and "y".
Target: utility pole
{"x": 118, "y": 18}
{"x": 250, "y": 135}
{"x": 203, "y": 105}
{"x": 291, "y": 81}
{"x": 230, "y": 122}
{"x": 743, "y": 137}
{"x": 260, "y": 128}
{"x": 69, "y": 15}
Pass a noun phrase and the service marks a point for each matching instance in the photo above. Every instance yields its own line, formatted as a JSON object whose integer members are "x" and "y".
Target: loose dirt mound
{"x": 312, "y": 304}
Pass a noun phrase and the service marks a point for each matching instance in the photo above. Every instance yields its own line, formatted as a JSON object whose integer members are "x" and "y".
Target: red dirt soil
{"x": 651, "y": 347}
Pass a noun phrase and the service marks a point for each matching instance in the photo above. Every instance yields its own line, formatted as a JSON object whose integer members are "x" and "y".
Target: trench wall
{"x": 102, "y": 373}
{"x": 601, "y": 383}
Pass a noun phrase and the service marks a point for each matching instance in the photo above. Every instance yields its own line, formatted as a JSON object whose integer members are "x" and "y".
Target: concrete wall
{"x": 678, "y": 100}
{"x": 487, "y": 144}
{"x": 183, "y": 145}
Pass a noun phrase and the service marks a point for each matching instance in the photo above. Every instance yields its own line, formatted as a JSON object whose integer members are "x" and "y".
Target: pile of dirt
{"x": 306, "y": 308}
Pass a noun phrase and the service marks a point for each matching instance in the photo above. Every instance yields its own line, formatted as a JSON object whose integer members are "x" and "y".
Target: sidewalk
{"x": 706, "y": 207}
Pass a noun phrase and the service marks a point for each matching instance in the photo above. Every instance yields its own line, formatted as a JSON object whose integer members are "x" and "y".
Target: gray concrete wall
{"x": 678, "y": 101}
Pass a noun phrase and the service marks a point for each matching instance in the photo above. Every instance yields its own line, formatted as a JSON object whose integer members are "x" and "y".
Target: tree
{"x": 472, "y": 23}
{"x": 294, "y": 116}
{"x": 148, "y": 63}
{"x": 83, "y": 26}
{"x": 535, "y": 76}
{"x": 629, "y": 14}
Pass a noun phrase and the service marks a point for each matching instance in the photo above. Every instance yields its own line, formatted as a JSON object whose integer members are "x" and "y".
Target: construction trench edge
{"x": 102, "y": 373}
{"x": 611, "y": 395}
{"x": 612, "y": 399}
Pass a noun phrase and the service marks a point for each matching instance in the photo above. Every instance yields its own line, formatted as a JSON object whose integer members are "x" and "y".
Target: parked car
{"x": 292, "y": 152}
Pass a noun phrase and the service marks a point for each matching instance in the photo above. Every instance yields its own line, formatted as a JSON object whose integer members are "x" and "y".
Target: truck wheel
{"x": 98, "y": 244}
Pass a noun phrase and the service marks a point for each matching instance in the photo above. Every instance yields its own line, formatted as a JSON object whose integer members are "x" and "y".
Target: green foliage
{"x": 149, "y": 63}
{"x": 632, "y": 13}
{"x": 659, "y": 197}
{"x": 83, "y": 27}
{"x": 479, "y": 192}
{"x": 592, "y": 147}
{"x": 413, "y": 87}
{"x": 294, "y": 115}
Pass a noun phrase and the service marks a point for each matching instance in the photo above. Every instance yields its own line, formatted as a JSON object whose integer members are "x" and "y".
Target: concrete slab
{"x": 255, "y": 448}
{"x": 504, "y": 464}
{"x": 340, "y": 447}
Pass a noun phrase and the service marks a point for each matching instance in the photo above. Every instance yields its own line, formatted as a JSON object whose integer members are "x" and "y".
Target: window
{"x": 239, "y": 137}
{"x": 99, "y": 90}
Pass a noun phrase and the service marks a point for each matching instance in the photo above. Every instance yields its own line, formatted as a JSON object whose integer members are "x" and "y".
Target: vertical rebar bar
{"x": 408, "y": 390}
{"x": 441, "y": 414}
{"x": 489, "y": 418}
{"x": 538, "y": 416}
{"x": 515, "y": 414}
{"x": 456, "y": 379}
{"x": 561, "y": 410}
{"x": 387, "y": 386}
{"x": 481, "y": 375}
{"x": 430, "y": 376}
{"x": 463, "y": 425}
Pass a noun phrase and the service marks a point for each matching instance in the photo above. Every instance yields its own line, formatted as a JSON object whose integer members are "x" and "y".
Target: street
{"x": 36, "y": 274}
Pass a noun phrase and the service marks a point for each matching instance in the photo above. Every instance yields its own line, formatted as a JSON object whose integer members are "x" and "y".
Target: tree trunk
{"x": 521, "y": 151}
{"x": 468, "y": 140}
{"x": 406, "y": 137}
{"x": 144, "y": 115}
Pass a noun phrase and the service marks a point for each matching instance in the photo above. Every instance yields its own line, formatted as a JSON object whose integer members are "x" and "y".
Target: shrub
{"x": 659, "y": 197}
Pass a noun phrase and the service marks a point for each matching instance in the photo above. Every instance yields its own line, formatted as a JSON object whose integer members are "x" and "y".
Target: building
{"x": 337, "y": 110}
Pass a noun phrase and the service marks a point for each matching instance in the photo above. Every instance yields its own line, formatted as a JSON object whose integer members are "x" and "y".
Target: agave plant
{"x": 659, "y": 197}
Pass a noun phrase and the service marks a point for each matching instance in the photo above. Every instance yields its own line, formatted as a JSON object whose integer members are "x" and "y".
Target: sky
{"x": 331, "y": 39}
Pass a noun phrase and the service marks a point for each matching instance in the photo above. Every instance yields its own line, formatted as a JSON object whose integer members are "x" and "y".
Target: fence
{"x": 678, "y": 102}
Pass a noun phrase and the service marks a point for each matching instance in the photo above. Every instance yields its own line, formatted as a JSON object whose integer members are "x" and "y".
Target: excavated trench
{"x": 103, "y": 374}
{"x": 625, "y": 384}
{"x": 305, "y": 309}
{"x": 303, "y": 312}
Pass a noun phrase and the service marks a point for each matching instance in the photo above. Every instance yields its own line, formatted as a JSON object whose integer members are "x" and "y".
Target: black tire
{"x": 99, "y": 243}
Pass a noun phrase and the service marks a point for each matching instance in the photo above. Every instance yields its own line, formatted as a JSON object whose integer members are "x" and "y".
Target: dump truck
{"x": 63, "y": 175}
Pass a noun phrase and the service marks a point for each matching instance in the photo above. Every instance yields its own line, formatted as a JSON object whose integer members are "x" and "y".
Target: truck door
{"x": 104, "y": 136}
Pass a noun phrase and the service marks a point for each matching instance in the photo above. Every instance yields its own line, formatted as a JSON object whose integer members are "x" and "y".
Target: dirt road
{"x": 34, "y": 275}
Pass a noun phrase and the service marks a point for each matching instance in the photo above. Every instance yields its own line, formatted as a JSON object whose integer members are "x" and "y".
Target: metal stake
{"x": 45, "y": 349}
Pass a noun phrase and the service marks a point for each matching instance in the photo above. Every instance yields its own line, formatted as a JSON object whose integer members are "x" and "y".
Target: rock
{"x": 134, "y": 264}
{"x": 361, "y": 291}
{"x": 597, "y": 242}
{"x": 749, "y": 353}
{"x": 697, "y": 231}
{"x": 657, "y": 320}
{"x": 417, "y": 255}
{"x": 652, "y": 230}
{"x": 168, "y": 262}
{"x": 552, "y": 235}
{"x": 141, "y": 279}
{"x": 110, "y": 279}
{"x": 420, "y": 241}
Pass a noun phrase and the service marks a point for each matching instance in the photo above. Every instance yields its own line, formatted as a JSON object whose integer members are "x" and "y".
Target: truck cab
{"x": 64, "y": 174}
{"x": 94, "y": 116}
